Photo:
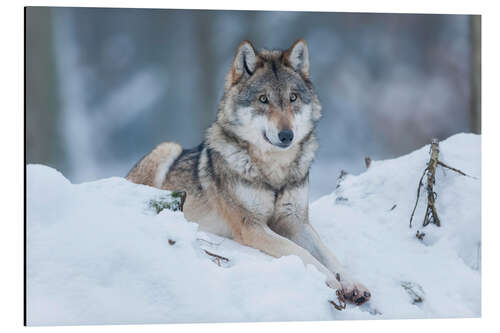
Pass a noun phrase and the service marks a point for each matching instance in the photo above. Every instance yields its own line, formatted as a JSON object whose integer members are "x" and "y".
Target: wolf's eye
{"x": 263, "y": 99}
{"x": 293, "y": 97}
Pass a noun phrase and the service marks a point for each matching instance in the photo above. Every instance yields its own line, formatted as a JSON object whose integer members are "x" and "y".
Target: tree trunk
{"x": 475, "y": 73}
{"x": 42, "y": 107}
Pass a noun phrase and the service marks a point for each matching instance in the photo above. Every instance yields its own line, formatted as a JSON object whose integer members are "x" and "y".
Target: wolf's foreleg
{"x": 291, "y": 221}
{"x": 263, "y": 238}
{"x": 304, "y": 235}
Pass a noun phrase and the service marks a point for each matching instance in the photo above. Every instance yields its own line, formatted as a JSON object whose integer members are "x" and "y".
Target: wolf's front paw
{"x": 355, "y": 292}
{"x": 333, "y": 283}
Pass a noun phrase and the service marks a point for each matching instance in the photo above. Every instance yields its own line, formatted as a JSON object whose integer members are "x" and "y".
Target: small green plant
{"x": 173, "y": 201}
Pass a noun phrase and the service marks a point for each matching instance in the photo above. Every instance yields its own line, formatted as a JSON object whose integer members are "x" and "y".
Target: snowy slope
{"x": 98, "y": 254}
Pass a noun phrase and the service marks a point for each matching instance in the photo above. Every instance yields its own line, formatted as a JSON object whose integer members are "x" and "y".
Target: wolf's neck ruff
{"x": 273, "y": 169}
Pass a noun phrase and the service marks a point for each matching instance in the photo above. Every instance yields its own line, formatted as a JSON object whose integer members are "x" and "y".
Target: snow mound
{"x": 97, "y": 253}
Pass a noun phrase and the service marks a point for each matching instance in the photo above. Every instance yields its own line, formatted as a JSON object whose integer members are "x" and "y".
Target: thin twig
{"x": 217, "y": 258}
{"x": 342, "y": 304}
{"x": 456, "y": 170}
{"x": 208, "y": 242}
{"x": 418, "y": 194}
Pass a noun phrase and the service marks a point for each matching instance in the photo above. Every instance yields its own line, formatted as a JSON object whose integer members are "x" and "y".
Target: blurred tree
{"x": 475, "y": 73}
{"x": 42, "y": 107}
{"x": 207, "y": 60}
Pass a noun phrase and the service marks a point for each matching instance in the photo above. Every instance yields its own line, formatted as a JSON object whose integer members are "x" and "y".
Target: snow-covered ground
{"x": 99, "y": 254}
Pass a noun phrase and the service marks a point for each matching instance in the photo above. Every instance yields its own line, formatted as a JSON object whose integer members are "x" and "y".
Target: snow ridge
{"x": 98, "y": 254}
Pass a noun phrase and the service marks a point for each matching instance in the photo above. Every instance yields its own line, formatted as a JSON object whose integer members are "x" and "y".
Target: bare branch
{"x": 418, "y": 194}
{"x": 456, "y": 170}
{"x": 342, "y": 304}
{"x": 430, "y": 212}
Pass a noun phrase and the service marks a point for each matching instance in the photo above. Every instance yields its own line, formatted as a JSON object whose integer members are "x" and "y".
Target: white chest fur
{"x": 257, "y": 201}
{"x": 274, "y": 165}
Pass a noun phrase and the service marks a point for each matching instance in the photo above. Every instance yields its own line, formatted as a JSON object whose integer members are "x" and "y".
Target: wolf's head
{"x": 269, "y": 99}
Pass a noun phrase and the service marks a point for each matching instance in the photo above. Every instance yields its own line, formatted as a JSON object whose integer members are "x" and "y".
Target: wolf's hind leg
{"x": 152, "y": 169}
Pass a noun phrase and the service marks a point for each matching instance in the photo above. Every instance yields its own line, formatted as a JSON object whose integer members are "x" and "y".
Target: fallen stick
{"x": 217, "y": 258}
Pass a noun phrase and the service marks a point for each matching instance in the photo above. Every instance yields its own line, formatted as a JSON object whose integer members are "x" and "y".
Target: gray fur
{"x": 241, "y": 182}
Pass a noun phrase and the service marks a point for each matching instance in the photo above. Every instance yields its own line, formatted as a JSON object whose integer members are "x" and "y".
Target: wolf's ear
{"x": 244, "y": 63}
{"x": 297, "y": 57}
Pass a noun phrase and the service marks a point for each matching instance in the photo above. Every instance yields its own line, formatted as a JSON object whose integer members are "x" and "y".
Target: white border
{"x": 12, "y": 139}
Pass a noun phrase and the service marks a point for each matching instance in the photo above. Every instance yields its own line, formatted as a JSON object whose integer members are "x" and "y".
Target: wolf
{"x": 248, "y": 180}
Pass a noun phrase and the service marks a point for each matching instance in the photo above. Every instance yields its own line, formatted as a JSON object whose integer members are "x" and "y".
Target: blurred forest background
{"x": 105, "y": 86}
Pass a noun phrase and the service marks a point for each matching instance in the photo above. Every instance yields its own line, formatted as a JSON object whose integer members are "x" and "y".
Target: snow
{"x": 97, "y": 253}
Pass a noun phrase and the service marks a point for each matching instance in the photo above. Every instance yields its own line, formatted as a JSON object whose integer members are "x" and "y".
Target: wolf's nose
{"x": 285, "y": 136}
